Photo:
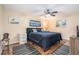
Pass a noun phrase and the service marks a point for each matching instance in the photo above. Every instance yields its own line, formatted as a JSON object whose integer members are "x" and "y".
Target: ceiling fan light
{"x": 47, "y": 15}
{"x": 53, "y": 15}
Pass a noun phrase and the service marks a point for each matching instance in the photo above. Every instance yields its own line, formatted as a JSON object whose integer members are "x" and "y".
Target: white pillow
{"x": 34, "y": 30}
{"x": 42, "y": 29}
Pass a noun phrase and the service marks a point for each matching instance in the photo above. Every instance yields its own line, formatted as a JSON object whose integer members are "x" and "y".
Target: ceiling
{"x": 37, "y": 9}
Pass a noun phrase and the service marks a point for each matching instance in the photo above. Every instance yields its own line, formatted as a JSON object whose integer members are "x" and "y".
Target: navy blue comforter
{"x": 45, "y": 39}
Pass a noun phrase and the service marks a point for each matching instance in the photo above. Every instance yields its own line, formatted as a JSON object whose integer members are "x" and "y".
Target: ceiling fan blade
{"x": 55, "y": 12}
{"x": 48, "y": 11}
{"x": 53, "y": 15}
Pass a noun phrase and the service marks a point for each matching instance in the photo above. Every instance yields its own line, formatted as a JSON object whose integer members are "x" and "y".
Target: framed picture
{"x": 61, "y": 23}
{"x": 14, "y": 20}
{"x": 34, "y": 23}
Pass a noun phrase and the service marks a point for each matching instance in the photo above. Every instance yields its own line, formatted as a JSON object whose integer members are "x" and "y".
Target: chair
{"x": 6, "y": 40}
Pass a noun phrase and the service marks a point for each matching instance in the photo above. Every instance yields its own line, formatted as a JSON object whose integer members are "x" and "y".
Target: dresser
{"x": 74, "y": 46}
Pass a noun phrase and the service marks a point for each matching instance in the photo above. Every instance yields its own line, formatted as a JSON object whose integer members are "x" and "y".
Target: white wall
{"x": 1, "y": 23}
{"x": 15, "y": 29}
{"x": 67, "y": 31}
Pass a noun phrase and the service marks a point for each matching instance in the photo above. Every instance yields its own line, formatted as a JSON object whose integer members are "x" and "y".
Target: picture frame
{"x": 14, "y": 20}
{"x": 34, "y": 23}
{"x": 61, "y": 23}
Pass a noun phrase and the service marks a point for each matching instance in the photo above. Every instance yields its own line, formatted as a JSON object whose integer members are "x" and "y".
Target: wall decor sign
{"x": 14, "y": 20}
{"x": 60, "y": 23}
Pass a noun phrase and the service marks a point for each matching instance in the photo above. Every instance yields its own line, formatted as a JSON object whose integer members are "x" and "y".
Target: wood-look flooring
{"x": 52, "y": 48}
{"x": 9, "y": 51}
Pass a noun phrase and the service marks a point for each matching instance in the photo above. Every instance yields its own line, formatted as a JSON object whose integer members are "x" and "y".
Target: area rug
{"x": 27, "y": 50}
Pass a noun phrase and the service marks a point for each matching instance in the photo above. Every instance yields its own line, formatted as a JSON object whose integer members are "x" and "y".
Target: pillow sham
{"x": 34, "y": 30}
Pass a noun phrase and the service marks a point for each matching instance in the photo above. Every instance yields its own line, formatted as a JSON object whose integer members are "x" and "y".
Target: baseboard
{"x": 14, "y": 43}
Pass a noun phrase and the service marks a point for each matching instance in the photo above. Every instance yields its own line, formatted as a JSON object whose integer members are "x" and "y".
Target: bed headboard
{"x": 29, "y": 30}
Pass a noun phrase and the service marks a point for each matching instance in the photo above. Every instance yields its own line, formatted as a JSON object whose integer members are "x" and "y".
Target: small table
{"x": 22, "y": 38}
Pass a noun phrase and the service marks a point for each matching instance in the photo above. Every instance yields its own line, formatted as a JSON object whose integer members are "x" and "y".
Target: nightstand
{"x": 23, "y": 39}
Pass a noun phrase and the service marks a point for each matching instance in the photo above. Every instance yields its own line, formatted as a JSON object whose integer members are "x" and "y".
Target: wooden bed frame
{"x": 49, "y": 51}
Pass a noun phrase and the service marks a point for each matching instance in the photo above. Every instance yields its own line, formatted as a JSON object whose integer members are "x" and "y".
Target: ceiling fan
{"x": 52, "y": 13}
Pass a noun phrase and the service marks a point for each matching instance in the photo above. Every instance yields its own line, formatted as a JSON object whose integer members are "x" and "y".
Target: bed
{"x": 44, "y": 39}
